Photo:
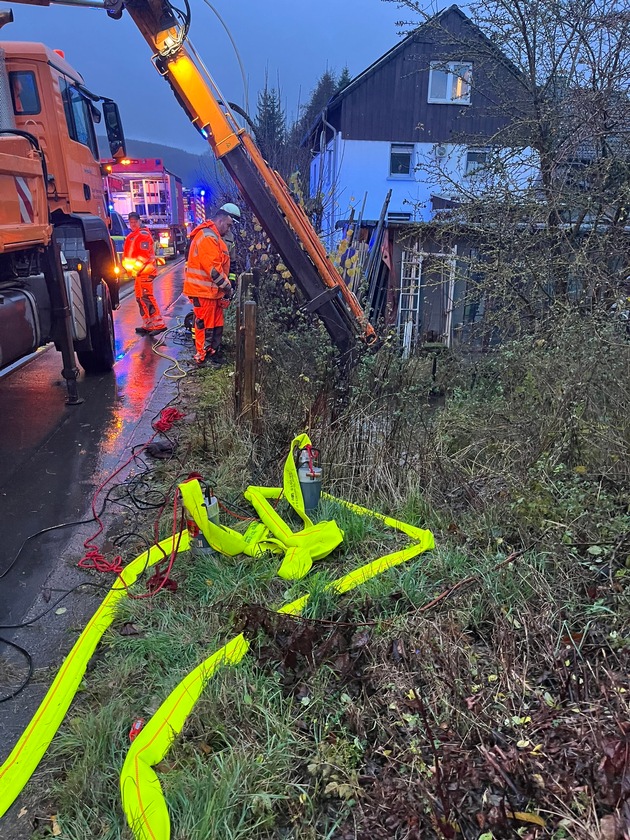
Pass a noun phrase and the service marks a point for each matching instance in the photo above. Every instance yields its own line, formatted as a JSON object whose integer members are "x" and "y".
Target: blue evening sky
{"x": 290, "y": 40}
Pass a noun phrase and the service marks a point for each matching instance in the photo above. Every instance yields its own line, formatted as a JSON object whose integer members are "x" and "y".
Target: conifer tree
{"x": 271, "y": 130}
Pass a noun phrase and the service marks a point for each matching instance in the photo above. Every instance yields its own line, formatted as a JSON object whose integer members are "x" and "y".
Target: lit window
{"x": 476, "y": 159}
{"x": 401, "y": 160}
{"x": 450, "y": 82}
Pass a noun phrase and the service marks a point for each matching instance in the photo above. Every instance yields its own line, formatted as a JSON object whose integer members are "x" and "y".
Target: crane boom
{"x": 165, "y": 29}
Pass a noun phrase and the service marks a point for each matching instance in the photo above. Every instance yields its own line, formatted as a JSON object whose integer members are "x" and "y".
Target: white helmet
{"x": 233, "y": 211}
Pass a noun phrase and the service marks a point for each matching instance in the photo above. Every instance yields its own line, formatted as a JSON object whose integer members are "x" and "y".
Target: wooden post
{"x": 245, "y": 397}
{"x": 242, "y": 289}
{"x": 250, "y": 403}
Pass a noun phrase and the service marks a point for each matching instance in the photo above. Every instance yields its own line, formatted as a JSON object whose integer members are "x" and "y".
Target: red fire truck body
{"x": 146, "y": 186}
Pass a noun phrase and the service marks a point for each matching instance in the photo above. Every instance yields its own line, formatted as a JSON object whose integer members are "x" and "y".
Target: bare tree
{"x": 547, "y": 203}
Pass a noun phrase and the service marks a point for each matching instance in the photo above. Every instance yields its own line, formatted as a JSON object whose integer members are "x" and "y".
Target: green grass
{"x": 370, "y": 716}
{"x": 276, "y": 746}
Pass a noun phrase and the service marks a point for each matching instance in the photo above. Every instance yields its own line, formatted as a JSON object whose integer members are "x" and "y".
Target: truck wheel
{"x": 103, "y": 354}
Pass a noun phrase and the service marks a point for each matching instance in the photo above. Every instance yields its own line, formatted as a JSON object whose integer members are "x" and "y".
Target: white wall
{"x": 348, "y": 169}
{"x": 363, "y": 167}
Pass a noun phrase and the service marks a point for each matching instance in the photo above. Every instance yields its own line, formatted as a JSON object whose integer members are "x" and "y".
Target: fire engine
{"x": 145, "y": 186}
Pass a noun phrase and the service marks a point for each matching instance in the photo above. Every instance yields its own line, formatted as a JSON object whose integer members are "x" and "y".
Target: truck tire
{"x": 101, "y": 358}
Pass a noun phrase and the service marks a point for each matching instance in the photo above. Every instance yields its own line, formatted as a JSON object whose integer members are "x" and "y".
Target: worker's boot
{"x": 210, "y": 340}
{"x": 217, "y": 357}
{"x": 154, "y": 325}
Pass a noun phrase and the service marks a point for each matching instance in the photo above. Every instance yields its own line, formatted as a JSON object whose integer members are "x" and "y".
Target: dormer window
{"x": 450, "y": 82}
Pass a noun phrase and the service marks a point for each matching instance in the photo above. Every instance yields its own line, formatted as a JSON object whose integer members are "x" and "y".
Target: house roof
{"x": 338, "y": 97}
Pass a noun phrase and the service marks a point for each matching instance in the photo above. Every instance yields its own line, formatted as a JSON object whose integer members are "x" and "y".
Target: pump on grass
{"x": 211, "y": 504}
{"x": 310, "y": 477}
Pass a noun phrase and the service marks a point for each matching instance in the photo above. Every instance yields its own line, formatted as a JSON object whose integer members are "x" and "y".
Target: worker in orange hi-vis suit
{"x": 206, "y": 280}
{"x": 139, "y": 261}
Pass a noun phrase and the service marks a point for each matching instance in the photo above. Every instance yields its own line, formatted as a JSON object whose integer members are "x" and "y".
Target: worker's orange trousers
{"x": 208, "y": 326}
{"x": 147, "y": 304}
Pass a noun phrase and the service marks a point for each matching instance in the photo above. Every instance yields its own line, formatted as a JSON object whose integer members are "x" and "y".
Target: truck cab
{"x": 51, "y": 102}
{"x": 47, "y": 108}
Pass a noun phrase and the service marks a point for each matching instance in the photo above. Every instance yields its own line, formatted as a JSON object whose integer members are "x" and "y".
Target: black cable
{"x": 247, "y": 118}
{"x": 29, "y": 662}
{"x": 27, "y": 656}
{"x": 52, "y": 606}
{"x": 139, "y": 492}
{"x": 139, "y": 503}
{"x": 123, "y": 539}
{"x": 78, "y": 522}
{"x": 238, "y": 508}
{"x": 183, "y": 18}
{"x": 44, "y": 531}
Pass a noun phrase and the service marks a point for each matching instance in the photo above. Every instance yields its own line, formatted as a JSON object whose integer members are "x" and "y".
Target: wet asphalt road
{"x": 53, "y": 456}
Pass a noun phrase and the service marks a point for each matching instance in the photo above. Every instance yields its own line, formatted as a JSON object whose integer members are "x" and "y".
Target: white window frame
{"x": 448, "y": 67}
{"x": 470, "y": 167}
{"x": 410, "y": 147}
{"x": 411, "y": 296}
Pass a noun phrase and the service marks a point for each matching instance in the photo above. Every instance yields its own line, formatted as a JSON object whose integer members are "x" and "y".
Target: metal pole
{"x": 242, "y": 290}
{"x": 62, "y": 318}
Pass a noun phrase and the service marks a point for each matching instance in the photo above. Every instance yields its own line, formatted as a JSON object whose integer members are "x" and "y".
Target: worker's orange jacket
{"x": 139, "y": 254}
{"x": 208, "y": 263}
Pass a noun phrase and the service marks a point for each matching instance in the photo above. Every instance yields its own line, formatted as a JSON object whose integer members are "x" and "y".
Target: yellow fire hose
{"x": 36, "y": 738}
{"x": 142, "y": 798}
{"x": 143, "y": 801}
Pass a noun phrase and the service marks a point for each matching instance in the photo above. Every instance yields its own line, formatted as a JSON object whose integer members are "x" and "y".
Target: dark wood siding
{"x": 390, "y": 101}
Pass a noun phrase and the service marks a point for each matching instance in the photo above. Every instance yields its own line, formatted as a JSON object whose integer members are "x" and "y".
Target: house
{"x": 427, "y": 115}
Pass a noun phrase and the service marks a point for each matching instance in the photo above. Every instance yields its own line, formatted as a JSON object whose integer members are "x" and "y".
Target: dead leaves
{"x": 614, "y": 767}
{"x": 611, "y": 827}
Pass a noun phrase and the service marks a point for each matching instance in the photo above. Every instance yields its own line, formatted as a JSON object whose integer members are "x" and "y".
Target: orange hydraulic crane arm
{"x": 165, "y": 28}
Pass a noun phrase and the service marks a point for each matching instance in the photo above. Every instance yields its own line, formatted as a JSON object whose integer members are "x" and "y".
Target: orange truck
{"x": 58, "y": 274}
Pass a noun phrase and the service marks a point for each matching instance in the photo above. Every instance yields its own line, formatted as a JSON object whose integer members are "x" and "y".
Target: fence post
{"x": 245, "y": 399}
{"x": 250, "y": 402}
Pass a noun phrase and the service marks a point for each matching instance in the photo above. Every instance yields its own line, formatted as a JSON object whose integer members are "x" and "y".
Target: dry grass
{"x": 503, "y": 707}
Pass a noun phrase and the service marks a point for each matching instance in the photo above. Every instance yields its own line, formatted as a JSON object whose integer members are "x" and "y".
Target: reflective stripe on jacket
{"x": 207, "y": 251}
{"x": 139, "y": 247}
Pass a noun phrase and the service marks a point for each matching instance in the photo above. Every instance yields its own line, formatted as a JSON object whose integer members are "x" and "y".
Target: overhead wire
{"x": 236, "y": 51}
{"x": 203, "y": 69}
